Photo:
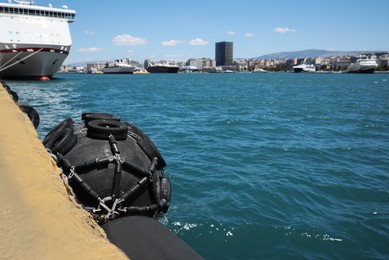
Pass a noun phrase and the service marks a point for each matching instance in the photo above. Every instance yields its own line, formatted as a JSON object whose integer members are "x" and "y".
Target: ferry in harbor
{"x": 160, "y": 67}
{"x": 304, "y": 68}
{"x": 118, "y": 68}
{"x": 363, "y": 65}
{"x": 34, "y": 40}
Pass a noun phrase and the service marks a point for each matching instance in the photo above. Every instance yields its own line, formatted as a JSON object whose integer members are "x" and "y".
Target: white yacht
{"x": 118, "y": 68}
{"x": 364, "y": 64}
{"x": 259, "y": 71}
{"x": 34, "y": 40}
{"x": 161, "y": 67}
{"x": 304, "y": 68}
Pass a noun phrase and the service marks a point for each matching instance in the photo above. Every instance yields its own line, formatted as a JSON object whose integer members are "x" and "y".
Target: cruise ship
{"x": 34, "y": 40}
{"x": 363, "y": 65}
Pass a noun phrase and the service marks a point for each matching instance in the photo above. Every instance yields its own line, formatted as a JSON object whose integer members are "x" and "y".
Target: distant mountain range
{"x": 310, "y": 53}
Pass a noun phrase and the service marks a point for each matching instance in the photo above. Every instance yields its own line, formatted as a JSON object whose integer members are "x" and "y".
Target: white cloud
{"x": 91, "y": 49}
{"x": 198, "y": 41}
{"x": 231, "y": 33}
{"x": 130, "y": 51}
{"x": 170, "y": 43}
{"x": 127, "y": 39}
{"x": 90, "y": 33}
{"x": 284, "y": 30}
{"x": 249, "y": 35}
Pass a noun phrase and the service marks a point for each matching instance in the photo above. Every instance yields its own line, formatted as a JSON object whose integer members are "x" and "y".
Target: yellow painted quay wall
{"x": 38, "y": 219}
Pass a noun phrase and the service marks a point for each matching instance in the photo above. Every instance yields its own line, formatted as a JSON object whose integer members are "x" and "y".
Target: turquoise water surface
{"x": 274, "y": 166}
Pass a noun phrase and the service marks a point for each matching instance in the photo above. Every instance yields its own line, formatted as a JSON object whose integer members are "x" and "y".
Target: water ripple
{"x": 262, "y": 166}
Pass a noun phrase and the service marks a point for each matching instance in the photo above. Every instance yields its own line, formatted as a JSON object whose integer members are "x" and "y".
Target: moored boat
{"x": 304, "y": 68}
{"x": 118, "y": 68}
{"x": 34, "y": 40}
{"x": 259, "y": 71}
{"x": 161, "y": 67}
{"x": 363, "y": 65}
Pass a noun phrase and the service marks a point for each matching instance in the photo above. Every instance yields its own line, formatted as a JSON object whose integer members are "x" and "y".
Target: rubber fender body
{"x": 31, "y": 113}
{"x": 147, "y": 145}
{"x": 145, "y": 238}
{"x": 106, "y": 161}
{"x": 14, "y": 95}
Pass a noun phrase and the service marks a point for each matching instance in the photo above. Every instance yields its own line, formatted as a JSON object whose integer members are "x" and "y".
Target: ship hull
{"x": 118, "y": 70}
{"x": 363, "y": 65}
{"x": 362, "y": 70}
{"x": 162, "y": 69}
{"x": 303, "y": 68}
{"x": 31, "y": 62}
{"x": 34, "y": 40}
{"x": 365, "y": 71}
{"x": 297, "y": 70}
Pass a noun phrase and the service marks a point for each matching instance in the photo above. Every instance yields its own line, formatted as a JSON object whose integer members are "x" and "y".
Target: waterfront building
{"x": 65, "y": 68}
{"x": 383, "y": 62}
{"x": 241, "y": 65}
{"x": 341, "y": 63}
{"x": 325, "y": 64}
{"x": 201, "y": 63}
{"x": 95, "y": 66}
{"x": 224, "y": 53}
{"x": 298, "y": 61}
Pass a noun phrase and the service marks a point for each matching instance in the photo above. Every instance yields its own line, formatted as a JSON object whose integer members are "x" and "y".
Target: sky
{"x": 178, "y": 30}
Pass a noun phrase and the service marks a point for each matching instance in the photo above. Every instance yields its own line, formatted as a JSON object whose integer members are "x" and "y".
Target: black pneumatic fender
{"x": 109, "y": 166}
{"x": 145, "y": 238}
{"x": 14, "y": 95}
{"x": 116, "y": 173}
{"x": 31, "y": 113}
{"x": 25, "y": 108}
{"x": 5, "y": 85}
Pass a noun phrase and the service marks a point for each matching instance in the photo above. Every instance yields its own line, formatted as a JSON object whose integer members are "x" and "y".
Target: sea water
{"x": 274, "y": 166}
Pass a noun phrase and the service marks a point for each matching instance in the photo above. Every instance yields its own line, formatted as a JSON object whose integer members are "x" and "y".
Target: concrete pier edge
{"x": 38, "y": 218}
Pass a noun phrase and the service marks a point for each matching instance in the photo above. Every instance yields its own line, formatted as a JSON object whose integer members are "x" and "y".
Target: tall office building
{"x": 223, "y": 53}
